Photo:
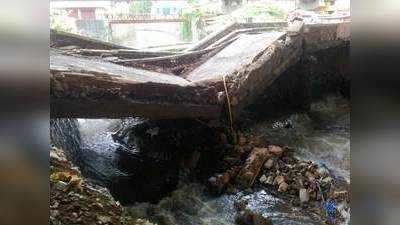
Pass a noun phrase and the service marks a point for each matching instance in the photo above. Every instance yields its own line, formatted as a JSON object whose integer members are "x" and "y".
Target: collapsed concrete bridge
{"x": 235, "y": 65}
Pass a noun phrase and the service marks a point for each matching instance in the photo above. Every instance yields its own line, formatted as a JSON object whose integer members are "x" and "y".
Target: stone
{"x": 99, "y": 205}
{"x": 312, "y": 194}
{"x": 54, "y": 213}
{"x": 240, "y": 205}
{"x": 327, "y": 180}
{"x": 270, "y": 180}
{"x": 263, "y": 179}
{"x": 247, "y": 217}
{"x": 310, "y": 176}
{"x": 340, "y": 195}
{"x": 252, "y": 166}
{"x": 303, "y": 195}
{"x": 241, "y": 139}
{"x": 279, "y": 179}
{"x": 104, "y": 219}
{"x": 269, "y": 164}
{"x": 283, "y": 187}
{"x": 275, "y": 150}
{"x": 322, "y": 172}
{"x": 61, "y": 185}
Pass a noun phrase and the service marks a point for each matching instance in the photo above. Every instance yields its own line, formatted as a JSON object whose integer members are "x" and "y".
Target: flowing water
{"x": 321, "y": 134}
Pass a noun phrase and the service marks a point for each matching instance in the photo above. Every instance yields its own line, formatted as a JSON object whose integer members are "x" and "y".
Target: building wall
{"x": 83, "y": 9}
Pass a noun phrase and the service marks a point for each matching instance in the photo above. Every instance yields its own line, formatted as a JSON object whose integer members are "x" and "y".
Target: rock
{"x": 57, "y": 155}
{"x": 322, "y": 172}
{"x": 241, "y": 139}
{"x": 212, "y": 180}
{"x": 247, "y": 217}
{"x": 312, "y": 194}
{"x": 310, "y": 176}
{"x": 240, "y": 205}
{"x": 299, "y": 183}
{"x": 269, "y": 164}
{"x": 103, "y": 219}
{"x": 218, "y": 183}
{"x": 275, "y": 150}
{"x": 327, "y": 180}
{"x": 279, "y": 179}
{"x": 283, "y": 187}
{"x": 263, "y": 179}
{"x": 55, "y": 205}
{"x": 303, "y": 195}
{"x": 99, "y": 205}
{"x": 54, "y": 213}
{"x": 340, "y": 195}
{"x": 61, "y": 185}
{"x": 270, "y": 180}
{"x": 252, "y": 166}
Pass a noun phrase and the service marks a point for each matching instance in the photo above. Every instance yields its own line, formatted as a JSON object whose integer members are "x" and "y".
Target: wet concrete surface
{"x": 92, "y": 66}
{"x": 233, "y": 57}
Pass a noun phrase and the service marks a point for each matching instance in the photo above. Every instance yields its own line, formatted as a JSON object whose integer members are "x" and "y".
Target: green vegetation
{"x": 139, "y": 7}
{"x": 188, "y": 16}
{"x": 260, "y": 12}
{"x": 61, "y": 22}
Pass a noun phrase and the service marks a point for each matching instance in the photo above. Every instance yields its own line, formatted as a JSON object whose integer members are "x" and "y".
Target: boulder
{"x": 269, "y": 164}
{"x": 303, "y": 195}
{"x": 283, "y": 187}
{"x": 275, "y": 150}
{"x": 263, "y": 179}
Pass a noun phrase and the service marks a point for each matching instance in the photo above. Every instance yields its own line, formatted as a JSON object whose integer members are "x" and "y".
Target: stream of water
{"x": 322, "y": 135}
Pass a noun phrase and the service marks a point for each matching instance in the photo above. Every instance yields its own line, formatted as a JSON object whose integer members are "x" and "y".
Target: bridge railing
{"x": 141, "y": 17}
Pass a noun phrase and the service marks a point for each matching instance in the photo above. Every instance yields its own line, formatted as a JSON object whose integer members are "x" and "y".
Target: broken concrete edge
{"x": 98, "y": 97}
{"x": 252, "y": 166}
{"x": 254, "y": 162}
{"x": 221, "y": 33}
{"x": 126, "y": 53}
{"x": 323, "y": 36}
{"x": 62, "y": 39}
{"x": 115, "y": 109}
{"x": 251, "y": 80}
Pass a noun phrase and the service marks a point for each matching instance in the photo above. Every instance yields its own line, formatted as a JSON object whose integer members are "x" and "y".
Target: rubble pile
{"x": 305, "y": 181}
{"x": 74, "y": 201}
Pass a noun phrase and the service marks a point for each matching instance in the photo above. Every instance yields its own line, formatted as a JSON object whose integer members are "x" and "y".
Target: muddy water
{"x": 321, "y": 134}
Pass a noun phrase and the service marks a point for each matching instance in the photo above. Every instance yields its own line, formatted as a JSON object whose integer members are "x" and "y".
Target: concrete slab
{"x": 233, "y": 57}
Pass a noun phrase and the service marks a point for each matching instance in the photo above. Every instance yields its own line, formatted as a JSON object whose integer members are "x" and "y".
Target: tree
{"x": 59, "y": 20}
{"x": 230, "y": 5}
{"x": 140, "y": 7}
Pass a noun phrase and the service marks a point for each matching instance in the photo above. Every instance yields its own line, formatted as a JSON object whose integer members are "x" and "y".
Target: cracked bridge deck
{"x": 250, "y": 59}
